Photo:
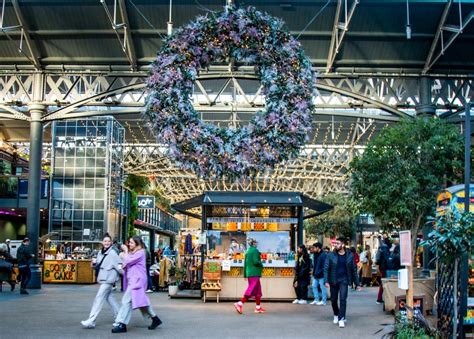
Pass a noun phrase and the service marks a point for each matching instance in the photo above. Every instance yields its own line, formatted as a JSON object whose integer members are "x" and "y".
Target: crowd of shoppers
{"x": 321, "y": 269}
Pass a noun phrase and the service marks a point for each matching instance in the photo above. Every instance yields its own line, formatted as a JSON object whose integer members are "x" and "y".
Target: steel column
{"x": 425, "y": 107}
{"x": 299, "y": 229}
{"x": 467, "y": 197}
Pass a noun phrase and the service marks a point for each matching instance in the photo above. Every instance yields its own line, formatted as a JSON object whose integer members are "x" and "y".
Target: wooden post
{"x": 410, "y": 292}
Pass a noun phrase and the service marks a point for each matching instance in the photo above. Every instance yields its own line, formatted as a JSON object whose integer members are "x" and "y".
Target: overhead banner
{"x": 269, "y": 220}
{"x": 146, "y": 201}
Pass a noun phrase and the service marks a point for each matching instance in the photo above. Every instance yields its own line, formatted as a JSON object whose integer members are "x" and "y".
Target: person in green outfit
{"x": 252, "y": 271}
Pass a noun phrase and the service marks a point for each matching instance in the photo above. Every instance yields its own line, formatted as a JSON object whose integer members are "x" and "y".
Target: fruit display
{"x": 268, "y": 272}
{"x": 245, "y": 226}
{"x": 287, "y": 272}
{"x": 272, "y": 226}
{"x": 235, "y": 272}
{"x": 259, "y": 226}
{"x": 231, "y": 226}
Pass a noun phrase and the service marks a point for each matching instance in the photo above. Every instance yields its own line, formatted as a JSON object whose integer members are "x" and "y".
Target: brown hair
{"x": 138, "y": 241}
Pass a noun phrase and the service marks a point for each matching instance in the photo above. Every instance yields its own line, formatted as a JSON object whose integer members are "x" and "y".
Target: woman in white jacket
{"x": 108, "y": 267}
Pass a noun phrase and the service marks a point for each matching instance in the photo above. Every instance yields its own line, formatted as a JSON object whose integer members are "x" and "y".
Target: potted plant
{"x": 177, "y": 275}
{"x": 173, "y": 285}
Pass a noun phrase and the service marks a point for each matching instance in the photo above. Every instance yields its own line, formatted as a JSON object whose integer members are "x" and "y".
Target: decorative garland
{"x": 274, "y": 135}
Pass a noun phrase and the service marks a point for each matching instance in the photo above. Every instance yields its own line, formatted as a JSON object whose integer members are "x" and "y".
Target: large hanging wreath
{"x": 245, "y": 36}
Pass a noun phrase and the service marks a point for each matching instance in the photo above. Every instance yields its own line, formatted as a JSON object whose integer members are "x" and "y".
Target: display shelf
{"x": 268, "y": 263}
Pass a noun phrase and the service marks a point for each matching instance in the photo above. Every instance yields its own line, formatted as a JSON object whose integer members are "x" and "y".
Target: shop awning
{"x": 230, "y": 198}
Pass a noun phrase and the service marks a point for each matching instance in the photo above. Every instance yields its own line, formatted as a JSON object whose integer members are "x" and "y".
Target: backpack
{"x": 381, "y": 259}
{"x": 393, "y": 261}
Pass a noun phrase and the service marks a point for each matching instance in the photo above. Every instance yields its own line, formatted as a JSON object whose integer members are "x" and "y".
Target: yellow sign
{"x": 447, "y": 201}
{"x": 60, "y": 271}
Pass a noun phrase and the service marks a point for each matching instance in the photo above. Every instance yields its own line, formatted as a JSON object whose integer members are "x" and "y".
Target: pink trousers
{"x": 254, "y": 289}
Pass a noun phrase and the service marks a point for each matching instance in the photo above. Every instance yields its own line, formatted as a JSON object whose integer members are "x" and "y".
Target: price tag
{"x": 226, "y": 265}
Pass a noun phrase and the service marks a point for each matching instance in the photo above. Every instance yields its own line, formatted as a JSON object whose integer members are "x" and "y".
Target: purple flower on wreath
{"x": 274, "y": 135}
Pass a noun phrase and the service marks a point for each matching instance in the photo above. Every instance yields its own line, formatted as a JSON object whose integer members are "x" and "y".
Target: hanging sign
{"x": 226, "y": 265}
{"x": 254, "y": 220}
{"x": 146, "y": 201}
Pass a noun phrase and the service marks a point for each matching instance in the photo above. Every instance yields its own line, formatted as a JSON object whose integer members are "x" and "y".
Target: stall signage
{"x": 212, "y": 270}
{"x": 60, "y": 271}
{"x": 146, "y": 201}
{"x": 269, "y": 220}
{"x": 226, "y": 265}
{"x": 401, "y": 306}
{"x": 405, "y": 248}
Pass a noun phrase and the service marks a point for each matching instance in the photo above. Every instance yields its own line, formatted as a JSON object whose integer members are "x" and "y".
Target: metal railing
{"x": 160, "y": 219}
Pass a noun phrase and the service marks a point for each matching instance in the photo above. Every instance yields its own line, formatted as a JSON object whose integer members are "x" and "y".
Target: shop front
{"x": 64, "y": 263}
{"x": 230, "y": 219}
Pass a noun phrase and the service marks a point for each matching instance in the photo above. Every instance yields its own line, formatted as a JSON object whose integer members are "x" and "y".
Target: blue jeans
{"x": 324, "y": 293}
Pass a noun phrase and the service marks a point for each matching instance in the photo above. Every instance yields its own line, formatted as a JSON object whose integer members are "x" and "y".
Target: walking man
{"x": 381, "y": 260}
{"x": 252, "y": 271}
{"x": 340, "y": 271}
{"x": 318, "y": 275}
{"x": 24, "y": 257}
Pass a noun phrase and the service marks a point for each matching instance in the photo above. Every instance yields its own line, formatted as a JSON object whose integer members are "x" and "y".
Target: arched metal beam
{"x": 381, "y": 105}
{"x": 63, "y": 112}
{"x": 66, "y": 112}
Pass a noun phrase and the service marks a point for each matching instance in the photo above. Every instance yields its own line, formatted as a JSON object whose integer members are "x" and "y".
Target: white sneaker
{"x": 296, "y": 301}
{"x": 302, "y": 302}
{"x": 321, "y": 303}
{"x": 149, "y": 291}
{"x": 87, "y": 324}
{"x": 314, "y": 302}
{"x": 341, "y": 323}
{"x": 336, "y": 319}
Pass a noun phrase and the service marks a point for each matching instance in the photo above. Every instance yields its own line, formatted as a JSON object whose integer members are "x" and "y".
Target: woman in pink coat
{"x": 135, "y": 284}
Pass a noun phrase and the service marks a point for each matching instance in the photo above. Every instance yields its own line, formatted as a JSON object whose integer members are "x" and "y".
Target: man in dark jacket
{"x": 340, "y": 271}
{"x": 318, "y": 275}
{"x": 24, "y": 257}
{"x": 381, "y": 260}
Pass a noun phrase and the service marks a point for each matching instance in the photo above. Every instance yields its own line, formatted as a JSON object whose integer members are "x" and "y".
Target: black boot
{"x": 120, "y": 328}
{"x": 24, "y": 292}
{"x": 12, "y": 286}
{"x": 155, "y": 323}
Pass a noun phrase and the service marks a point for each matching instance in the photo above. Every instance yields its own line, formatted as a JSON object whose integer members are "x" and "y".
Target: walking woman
{"x": 252, "y": 271}
{"x": 303, "y": 277}
{"x": 107, "y": 272}
{"x": 366, "y": 271}
{"x": 135, "y": 285}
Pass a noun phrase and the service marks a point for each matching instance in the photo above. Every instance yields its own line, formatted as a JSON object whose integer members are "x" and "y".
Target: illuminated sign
{"x": 146, "y": 201}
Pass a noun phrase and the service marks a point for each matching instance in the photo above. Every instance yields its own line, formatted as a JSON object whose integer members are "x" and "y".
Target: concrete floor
{"x": 55, "y": 311}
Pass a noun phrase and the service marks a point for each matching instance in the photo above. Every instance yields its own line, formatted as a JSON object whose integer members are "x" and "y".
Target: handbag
{"x": 97, "y": 267}
{"x": 5, "y": 265}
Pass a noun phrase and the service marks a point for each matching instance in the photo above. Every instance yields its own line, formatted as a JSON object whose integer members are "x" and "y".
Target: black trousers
{"x": 339, "y": 290}
{"x": 25, "y": 274}
{"x": 301, "y": 292}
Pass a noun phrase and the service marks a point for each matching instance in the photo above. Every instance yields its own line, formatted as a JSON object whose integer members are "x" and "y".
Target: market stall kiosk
{"x": 230, "y": 219}
{"x": 70, "y": 267}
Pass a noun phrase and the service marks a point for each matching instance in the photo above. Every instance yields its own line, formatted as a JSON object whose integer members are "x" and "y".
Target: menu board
{"x": 212, "y": 270}
{"x": 60, "y": 271}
